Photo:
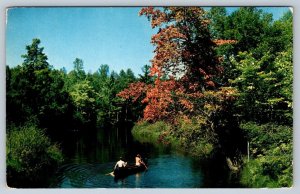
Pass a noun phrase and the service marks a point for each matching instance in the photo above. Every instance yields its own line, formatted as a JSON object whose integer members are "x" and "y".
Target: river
{"x": 91, "y": 154}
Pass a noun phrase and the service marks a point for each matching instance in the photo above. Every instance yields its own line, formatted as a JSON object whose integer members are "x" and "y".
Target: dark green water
{"x": 90, "y": 157}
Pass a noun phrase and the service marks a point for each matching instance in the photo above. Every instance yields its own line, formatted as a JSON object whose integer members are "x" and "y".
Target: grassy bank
{"x": 185, "y": 136}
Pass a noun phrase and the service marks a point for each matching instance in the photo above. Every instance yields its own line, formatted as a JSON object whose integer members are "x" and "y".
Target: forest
{"x": 219, "y": 83}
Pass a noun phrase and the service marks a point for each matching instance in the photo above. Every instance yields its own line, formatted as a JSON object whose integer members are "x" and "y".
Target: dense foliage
{"x": 44, "y": 105}
{"x": 30, "y": 154}
{"x": 272, "y": 152}
{"x": 217, "y": 81}
{"x": 216, "y": 73}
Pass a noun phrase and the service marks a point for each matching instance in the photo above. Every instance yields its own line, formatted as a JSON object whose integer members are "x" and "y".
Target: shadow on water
{"x": 89, "y": 158}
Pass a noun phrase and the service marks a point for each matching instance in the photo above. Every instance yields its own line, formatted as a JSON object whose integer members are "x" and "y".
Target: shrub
{"x": 195, "y": 136}
{"x": 271, "y": 153}
{"x": 29, "y": 150}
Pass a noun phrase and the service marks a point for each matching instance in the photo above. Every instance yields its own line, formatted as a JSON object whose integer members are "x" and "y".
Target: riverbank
{"x": 270, "y": 162}
{"x": 185, "y": 137}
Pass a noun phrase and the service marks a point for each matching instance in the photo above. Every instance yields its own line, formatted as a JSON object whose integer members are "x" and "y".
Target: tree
{"x": 247, "y": 25}
{"x": 36, "y": 93}
{"x": 101, "y": 84}
{"x": 78, "y": 68}
{"x": 265, "y": 89}
{"x": 218, "y": 17}
{"x": 271, "y": 153}
{"x": 253, "y": 31}
{"x": 35, "y": 59}
{"x": 184, "y": 63}
{"x": 278, "y": 37}
{"x": 83, "y": 97}
{"x": 146, "y": 78}
{"x": 104, "y": 71}
{"x": 34, "y": 89}
{"x": 184, "y": 48}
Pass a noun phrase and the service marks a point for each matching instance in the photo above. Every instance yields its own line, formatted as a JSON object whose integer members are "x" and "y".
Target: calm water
{"x": 91, "y": 157}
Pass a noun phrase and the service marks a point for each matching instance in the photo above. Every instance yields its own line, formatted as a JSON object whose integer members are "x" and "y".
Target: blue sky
{"x": 114, "y": 36}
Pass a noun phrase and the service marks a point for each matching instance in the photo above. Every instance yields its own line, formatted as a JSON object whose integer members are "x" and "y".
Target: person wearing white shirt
{"x": 120, "y": 164}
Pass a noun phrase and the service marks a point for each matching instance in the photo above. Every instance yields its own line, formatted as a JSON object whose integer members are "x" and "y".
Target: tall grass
{"x": 149, "y": 133}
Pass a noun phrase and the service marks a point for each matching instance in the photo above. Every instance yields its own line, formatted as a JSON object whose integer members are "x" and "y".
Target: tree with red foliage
{"x": 184, "y": 54}
{"x": 184, "y": 48}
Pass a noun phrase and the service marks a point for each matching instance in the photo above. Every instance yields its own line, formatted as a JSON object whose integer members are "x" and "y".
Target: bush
{"x": 29, "y": 151}
{"x": 195, "y": 136}
{"x": 272, "y": 153}
{"x": 252, "y": 176}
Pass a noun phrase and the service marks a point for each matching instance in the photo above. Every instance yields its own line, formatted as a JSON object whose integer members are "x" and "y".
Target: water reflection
{"x": 91, "y": 156}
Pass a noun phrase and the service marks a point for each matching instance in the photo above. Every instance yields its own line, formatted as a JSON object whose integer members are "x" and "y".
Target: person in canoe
{"x": 120, "y": 164}
{"x": 139, "y": 161}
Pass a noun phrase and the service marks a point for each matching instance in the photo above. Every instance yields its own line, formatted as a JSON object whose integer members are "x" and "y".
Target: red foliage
{"x": 158, "y": 100}
{"x": 134, "y": 91}
{"x": 178, "y": 52}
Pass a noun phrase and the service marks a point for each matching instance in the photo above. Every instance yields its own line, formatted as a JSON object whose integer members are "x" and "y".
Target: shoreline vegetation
{"x": 269, "y": 166}
{"x": 234, "y": 98}
{"x": 216, "y": 86}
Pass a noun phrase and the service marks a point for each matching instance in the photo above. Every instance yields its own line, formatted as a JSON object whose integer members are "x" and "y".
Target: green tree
{"x": 218, "y": 17}
{"x": 79, "y": 69}
{"x": 34, "y": 89}
{"x": 265, "y": 89}
{"x": 145, "y": 77}
{"x": 35, "y": 59}
{"x": 247, "y": 25}
{"x": 103, "y": 89}
{"x": 83, "y": 97}
{"x": 278, "y": 37}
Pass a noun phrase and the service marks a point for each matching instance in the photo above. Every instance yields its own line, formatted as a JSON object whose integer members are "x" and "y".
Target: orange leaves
{"x": 182, "y": 42}
{"x": 221, "y": 42}
{"x": 167, "y": 50}
{"x": 146, "y": 11}
{"x": 207, "y": 78}
{"x": 228, "y": 93}
{"x": 186, "y": 104}
{"x": 184, "y": 49}
{"x": 158, "y": 99}
{"x": 134, "y": 91}
{"x": 210, "y": 83}
{"x": 167, "y": 34}
{"x": 157, "y": 17}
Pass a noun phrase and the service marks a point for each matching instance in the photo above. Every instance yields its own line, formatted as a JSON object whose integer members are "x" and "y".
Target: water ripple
{"x": 164, "y": 172}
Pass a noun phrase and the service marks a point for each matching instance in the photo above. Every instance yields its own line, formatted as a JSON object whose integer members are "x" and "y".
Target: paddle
{"x": 111, "y": 173}
{"x": 144, "y": 165}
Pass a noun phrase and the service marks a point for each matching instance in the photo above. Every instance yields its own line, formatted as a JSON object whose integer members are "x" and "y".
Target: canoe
{"x": 128, "y": 170}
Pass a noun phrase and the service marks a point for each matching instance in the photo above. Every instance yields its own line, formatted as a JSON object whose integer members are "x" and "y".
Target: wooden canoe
{"x": 128, "y": 170}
